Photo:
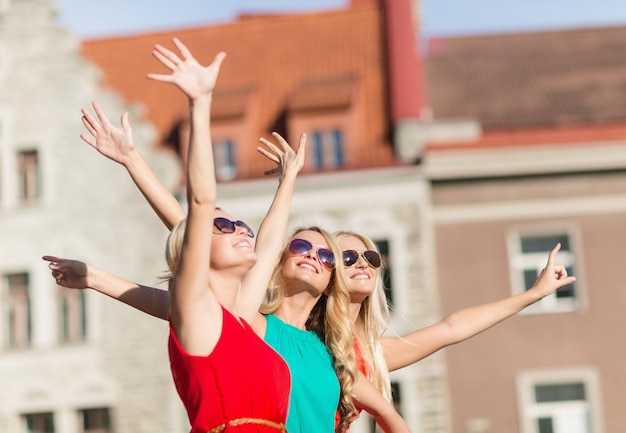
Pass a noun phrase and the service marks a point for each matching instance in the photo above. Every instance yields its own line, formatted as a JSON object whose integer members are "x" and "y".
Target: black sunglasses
{"x": 350, "y": 257}
{"x": 300, "y": 247}
{"x": 224, "y": 225}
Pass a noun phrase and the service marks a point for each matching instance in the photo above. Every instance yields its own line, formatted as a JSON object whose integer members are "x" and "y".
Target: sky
{"x": 94, "y": 19}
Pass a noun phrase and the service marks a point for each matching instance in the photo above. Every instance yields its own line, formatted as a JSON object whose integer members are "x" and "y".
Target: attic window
{"x": 224, "y": 155}
{"x": 327, "y": 148}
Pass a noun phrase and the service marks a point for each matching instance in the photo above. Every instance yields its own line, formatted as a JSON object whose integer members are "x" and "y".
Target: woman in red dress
{"x": 226, "y": 376}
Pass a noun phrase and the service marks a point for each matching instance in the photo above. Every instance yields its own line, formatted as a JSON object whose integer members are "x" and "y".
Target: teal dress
{"x": 314, "y": 385}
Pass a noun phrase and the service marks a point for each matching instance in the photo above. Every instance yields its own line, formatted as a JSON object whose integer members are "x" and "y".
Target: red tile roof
{"x": 273, "y": 56}
{"x": 534, "y": 80}
{"x": 572, "y": 134}
{"x": 332, "y": 92}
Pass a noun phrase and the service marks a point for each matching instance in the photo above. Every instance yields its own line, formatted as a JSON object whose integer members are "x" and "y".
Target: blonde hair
{"x": 173, "y": 246}
{"x": 330, "y": 319}
{"x": 371, "y": 323}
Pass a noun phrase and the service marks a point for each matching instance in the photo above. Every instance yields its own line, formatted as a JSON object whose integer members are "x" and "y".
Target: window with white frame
{"x": 42, "y": 422}
{"x": 97, "y": 420}
{"x": 327, "y": 149}
{"x": 29, "y": 176}
{"x": 73, "y": 317}
{"x": 559, "y": 403}
{"x": 17, "y": 310}
{"x": 528, "y": 257}
{"x": 225, "y": 163}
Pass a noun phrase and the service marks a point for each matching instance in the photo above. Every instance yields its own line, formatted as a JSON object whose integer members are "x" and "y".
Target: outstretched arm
{"x": 75, "y": 274}
{"x": 195, "y": 313}
{"x": 271, "y": 234}
{"x": 463, "y": 324}
{"x": 371, "y": 400}
{"x": 117, "y": 145}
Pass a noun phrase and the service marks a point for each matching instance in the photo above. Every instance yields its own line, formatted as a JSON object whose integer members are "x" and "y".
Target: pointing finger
{"x": 552, "y": 255}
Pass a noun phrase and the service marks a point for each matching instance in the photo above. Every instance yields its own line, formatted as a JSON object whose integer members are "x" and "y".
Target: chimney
{"x": 405, "y": 70}
{"x": 404, "y": 61}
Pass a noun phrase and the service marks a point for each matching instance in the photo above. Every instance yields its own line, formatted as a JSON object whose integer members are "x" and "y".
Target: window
{"x": 383, "y": 247}
{"x": 73, "y": 316}
{"x": 39, "y": 422}
{"x": 4, "y": 52}
{"x": 18, "y": 315}
{"x": 561, "y": 408}
{"x": 327, "y": 149}
{"x": 559, "y": 402}
{"x": 395, "y": 396}
{"x": 528, "y": 260}
{"x": 29, "y": 179}
{"x": 96, "y": 420}
{"x": 225, "y": 166}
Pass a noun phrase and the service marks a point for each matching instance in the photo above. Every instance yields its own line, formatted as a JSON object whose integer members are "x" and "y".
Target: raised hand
{"x": 68, "y": 273}
{"x": 552, "y": 277}
{"x": 287, "y": 160}
{"x": 190, "y": 76}
{"x": 113, "y": 142}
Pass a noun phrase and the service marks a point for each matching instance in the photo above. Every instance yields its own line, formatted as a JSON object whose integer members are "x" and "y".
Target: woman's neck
{"x": 295, "y": 310}
{"x": 355, "y": 308}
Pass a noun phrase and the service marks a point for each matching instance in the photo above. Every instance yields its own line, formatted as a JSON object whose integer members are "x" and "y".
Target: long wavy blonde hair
{"x": 371, "y": 323}
{"x": 330, "y": 319}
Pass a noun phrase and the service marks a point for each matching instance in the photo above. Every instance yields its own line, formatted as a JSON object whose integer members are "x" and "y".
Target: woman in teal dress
{"x": 315, "y": 388}
{"x": 318, "y": 346}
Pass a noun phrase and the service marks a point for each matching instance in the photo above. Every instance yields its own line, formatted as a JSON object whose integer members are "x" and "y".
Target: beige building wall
{"x": 478, "y": 220}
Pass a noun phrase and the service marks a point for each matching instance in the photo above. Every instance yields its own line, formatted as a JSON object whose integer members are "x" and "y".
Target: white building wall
{"x": 89, "y": 210}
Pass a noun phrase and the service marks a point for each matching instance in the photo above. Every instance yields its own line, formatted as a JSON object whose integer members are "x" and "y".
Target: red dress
{"x": 360, "y": 360}
{"x": 242, "y": 386}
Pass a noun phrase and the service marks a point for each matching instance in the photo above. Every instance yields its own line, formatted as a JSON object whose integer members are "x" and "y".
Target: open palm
{"x": 190, "y": 76}
{"x": 286, "y": 158}
{"x": 113, "y": 142}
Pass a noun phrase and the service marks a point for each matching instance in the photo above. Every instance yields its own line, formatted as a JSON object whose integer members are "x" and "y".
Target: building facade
{"x": 70, "y": 361}
{"x": 542, "y": 162}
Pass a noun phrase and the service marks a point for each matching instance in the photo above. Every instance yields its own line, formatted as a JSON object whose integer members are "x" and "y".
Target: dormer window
{"x": 325, "y": 108}
{"x": 224, "y": 155}
{"x": 327, "y": 149}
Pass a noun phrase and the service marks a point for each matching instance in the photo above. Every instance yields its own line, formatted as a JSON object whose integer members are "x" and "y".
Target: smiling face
{"x": 360, "y": 277}
{"x": 231, "y": 249}
{"x": 304, "y": 271}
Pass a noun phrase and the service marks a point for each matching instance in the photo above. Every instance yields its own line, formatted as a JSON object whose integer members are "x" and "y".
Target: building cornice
{"x": 471, "y": 163}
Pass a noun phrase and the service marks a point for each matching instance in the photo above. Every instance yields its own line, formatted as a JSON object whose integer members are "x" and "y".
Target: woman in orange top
{"x": 370, "y": 313}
